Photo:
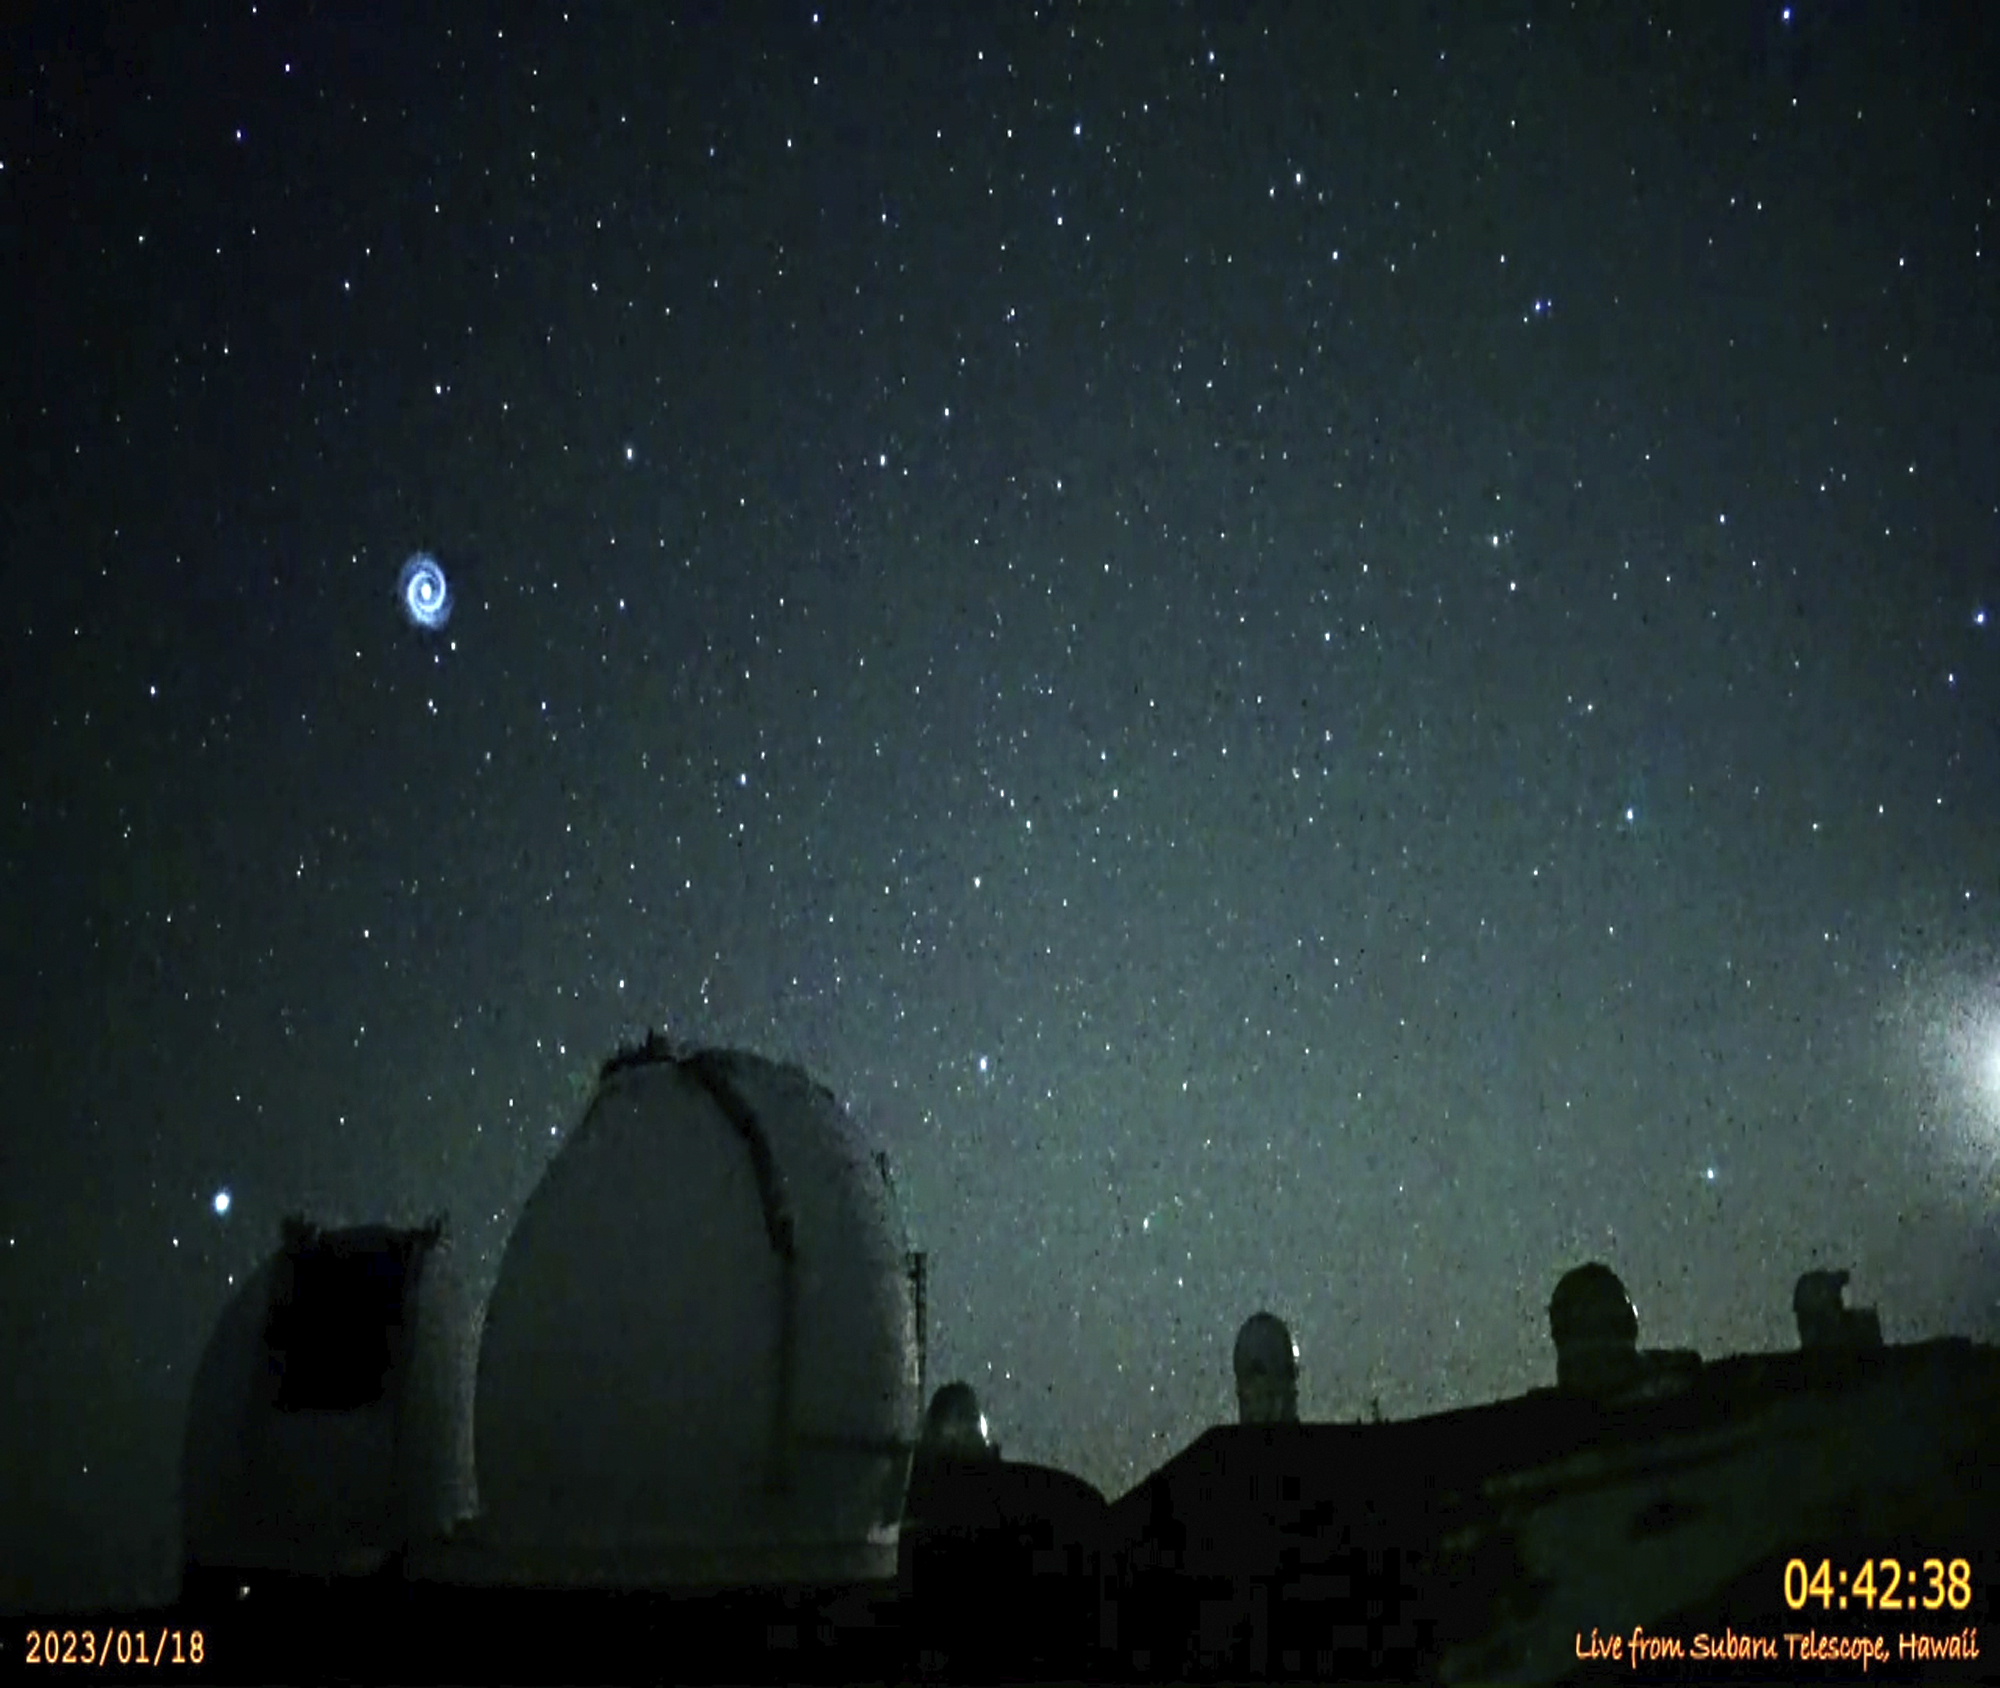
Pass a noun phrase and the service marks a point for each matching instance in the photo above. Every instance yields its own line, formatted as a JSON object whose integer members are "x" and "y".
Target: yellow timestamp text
{"x": 1880, "y": 1585}
{"x": 114, "y": 1644}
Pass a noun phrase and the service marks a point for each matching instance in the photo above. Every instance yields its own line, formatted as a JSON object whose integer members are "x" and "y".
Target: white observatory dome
{"x": 328, "y": 1426}
{"x": 700, "y": 1359}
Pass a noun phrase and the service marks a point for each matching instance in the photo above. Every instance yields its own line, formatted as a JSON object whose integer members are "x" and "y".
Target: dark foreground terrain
{"x": 1766, "y": 1518}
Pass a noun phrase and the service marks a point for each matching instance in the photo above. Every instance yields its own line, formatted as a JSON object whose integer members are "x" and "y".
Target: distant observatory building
{"x": 1595, "y": 1328}
{"x": 1596, "y": 1332}
{"x": 1266, "y": 1362}
{"x": 700, "y": 1366}
{"x": 701, "y": 1359}
{"x": 955, "y": 1427}
{"x": 1819, "y": 1303}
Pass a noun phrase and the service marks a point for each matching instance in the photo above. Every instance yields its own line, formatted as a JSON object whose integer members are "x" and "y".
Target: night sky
{"x": 1326, "y": 657}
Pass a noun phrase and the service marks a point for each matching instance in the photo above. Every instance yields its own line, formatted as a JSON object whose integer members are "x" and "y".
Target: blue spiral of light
{"x": 424, "y": 592}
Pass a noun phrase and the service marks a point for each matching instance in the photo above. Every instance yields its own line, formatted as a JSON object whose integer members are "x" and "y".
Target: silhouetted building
{"x": 954, "y": 1426}
{"x": 1002, "y": 1562}
{"x": 1595, "y": 1328}
{"x": 1486, "y": 1544}
{"x": 1824, "y": 1320}
{"x": 1596, "y": 1333}
{"x": 1266, "y": 1361}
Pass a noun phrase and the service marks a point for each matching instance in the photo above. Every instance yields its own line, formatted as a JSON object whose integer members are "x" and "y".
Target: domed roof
{"x": 328, "y": 1424}
{"x": 700, "y": 1358}
{"x": 1820, "y": 1292}
{"x": 1264, "y": 1348}
{"x": 1266, "y": 1361}
{"x": 954, "y": 1425}
{"x": 1590, "y": 1305}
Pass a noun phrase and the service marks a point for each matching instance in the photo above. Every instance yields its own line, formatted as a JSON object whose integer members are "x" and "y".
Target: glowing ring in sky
{"x": 424, "y": 593}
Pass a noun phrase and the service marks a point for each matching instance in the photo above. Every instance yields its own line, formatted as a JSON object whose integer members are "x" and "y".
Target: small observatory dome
{"x": 700, "y": 1359}
{"x": 955, "y": 1427}
{"x": 328, "y": 1426}
{"x": 1267, "y": 1371}
{"x": 1595, "y": 1329}
{"x": 1825, "y": 1321}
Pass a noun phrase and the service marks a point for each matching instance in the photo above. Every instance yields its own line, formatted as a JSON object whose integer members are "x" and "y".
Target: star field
{"x": 1324, "y": 662}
